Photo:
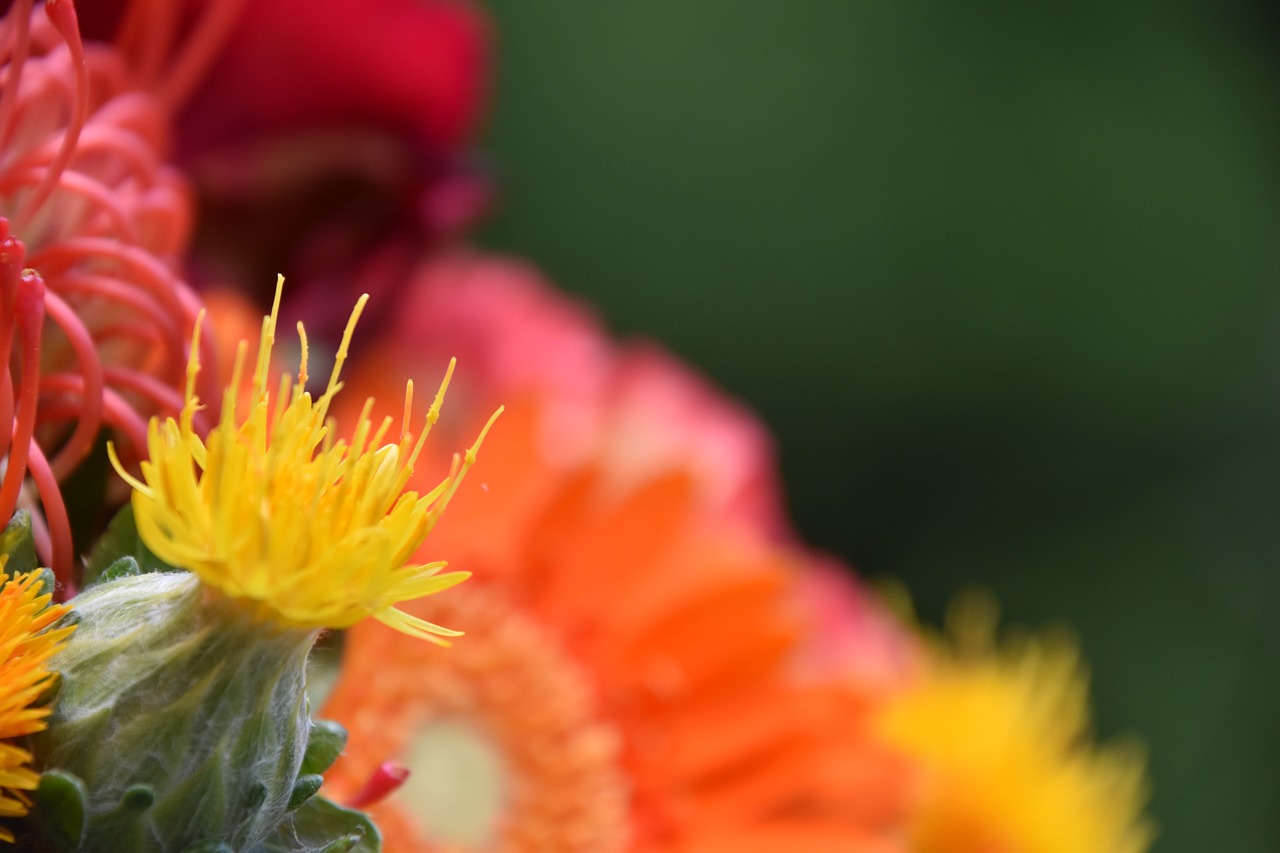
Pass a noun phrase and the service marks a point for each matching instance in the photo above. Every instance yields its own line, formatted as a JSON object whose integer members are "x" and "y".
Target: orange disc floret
{"x": 504, "y": 735}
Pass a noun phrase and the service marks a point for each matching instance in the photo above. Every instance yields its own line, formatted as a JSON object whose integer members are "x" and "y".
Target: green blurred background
{"x": 1002, "y": 277}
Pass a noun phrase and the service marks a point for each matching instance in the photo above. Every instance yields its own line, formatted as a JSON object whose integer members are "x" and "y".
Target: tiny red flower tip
{"x": 382, "y": 783}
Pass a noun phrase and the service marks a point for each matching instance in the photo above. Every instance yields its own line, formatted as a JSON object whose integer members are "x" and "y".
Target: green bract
{"x": 182, "y": 725}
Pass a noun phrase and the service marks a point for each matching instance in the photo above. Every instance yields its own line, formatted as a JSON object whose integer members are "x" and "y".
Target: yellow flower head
{"x": 271, "y": 508}
{"x": 25, "y": 649}
{"x": 1001, "y": 740}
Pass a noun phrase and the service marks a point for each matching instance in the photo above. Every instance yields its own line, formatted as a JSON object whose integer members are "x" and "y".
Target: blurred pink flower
{"x": 634, "y": 407}
{"x": 853, "y": 636}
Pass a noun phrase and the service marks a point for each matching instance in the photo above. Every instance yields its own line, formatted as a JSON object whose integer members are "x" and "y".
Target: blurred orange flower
{"x": 650, "y": 664}
{"x": 630, "y": 678}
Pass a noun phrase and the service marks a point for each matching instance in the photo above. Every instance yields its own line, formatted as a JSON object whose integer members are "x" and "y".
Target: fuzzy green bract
{"x": 182, "y": 726}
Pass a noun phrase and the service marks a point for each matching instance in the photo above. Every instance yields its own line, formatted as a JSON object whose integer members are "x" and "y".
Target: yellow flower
{"x": 1001, "y": 740}
{"x": 25, "y": 648}
{"x": 271, "y": 508}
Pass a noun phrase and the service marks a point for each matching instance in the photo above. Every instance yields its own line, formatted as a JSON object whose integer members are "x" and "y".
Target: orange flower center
{"x": 501, "y": 731}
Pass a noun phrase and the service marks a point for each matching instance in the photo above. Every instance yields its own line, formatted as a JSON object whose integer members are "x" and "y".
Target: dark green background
{"x": 1005, "y": 281}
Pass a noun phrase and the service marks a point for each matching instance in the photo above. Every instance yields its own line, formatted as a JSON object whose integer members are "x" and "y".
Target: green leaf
{"x": 124, "y": 567}
{"x": 17, "y": 543}
{"x": 321, "y": 826}
{"x": 256, "y": 797}
{"x": 137, "y": 799}
{"x": 324, "y": 744}
{"x": 118, "y": 541}
{"x": 304, "y": 789}
{"x": 126, "y": 824}
{"x": 59, "y": 808}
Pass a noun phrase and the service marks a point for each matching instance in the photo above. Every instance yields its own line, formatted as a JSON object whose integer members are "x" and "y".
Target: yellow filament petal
{"x": 271, "y": 507}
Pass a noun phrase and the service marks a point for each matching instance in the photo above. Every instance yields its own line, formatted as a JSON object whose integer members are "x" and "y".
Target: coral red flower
{"x": 94, "y": 219}
{"x": 629, "y": 679}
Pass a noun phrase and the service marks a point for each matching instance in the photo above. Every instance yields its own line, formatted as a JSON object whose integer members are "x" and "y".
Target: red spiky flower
{"x": 94, "y": 222}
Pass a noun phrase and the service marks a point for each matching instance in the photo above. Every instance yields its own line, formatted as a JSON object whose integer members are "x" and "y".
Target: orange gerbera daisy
{"x": 629, "y": 675}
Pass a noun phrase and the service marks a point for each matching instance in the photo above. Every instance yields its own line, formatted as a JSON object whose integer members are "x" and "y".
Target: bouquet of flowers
{"x": 202, "y": 510}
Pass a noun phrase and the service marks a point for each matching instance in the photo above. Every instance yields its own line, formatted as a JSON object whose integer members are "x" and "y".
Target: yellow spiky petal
{"x": 1001, "y": 740}
{"x": 271, "y": 507}
{"x": 25, "y": 648}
